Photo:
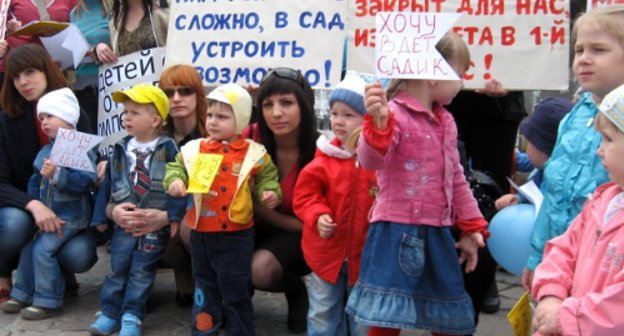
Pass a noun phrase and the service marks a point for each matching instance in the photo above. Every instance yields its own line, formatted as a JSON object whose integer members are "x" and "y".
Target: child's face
{"x": 221, "y": 123}
{"x": 598, "y": 59}
{"x": 536, "y": 156}
{"x": 611, "y": 151}
{"x": 141, "y": 120}
{"x": 344, "y": 120}
{"x": 445, "y": 90}
{"x": 50, "y": 124}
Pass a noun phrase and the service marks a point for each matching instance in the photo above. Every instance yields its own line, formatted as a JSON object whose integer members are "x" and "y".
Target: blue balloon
{"x": 510, "y": 234}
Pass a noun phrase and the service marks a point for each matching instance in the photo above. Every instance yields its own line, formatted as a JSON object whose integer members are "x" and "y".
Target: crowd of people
{"x": 377, "y": 214}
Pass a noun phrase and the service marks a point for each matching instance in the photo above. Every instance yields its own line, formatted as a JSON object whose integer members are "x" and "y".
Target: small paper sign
{"x": 519, "y": 316}
{"x": 406, "y": 43}
{"x": 71, "y": 147}
{"x": 203, "y": 172}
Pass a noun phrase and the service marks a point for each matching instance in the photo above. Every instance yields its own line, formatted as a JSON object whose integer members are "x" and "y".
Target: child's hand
{"x": 469, "y": 245}
{"x": 325, "y": 225}
{"x": 505, "y": 201}
{"x": 527, "y": 279}
{"x": 100, "y": 170}
{"x": 177, "y": 188}
{"x": 48, "y": 169}
{"x": 377, "y": 104}
{"x": 545, "y": 320}
{"x": 269, "y": 199}
{"x": 175, "y": 228}
{"x": 101, "y": 227}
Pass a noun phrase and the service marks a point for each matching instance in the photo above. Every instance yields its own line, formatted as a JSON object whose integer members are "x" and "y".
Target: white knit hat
{"x": 240, "y": 101}
{"x": 351, "y": 92}
{"x": 61, "y": 103}
{"x": 612, "y": 107}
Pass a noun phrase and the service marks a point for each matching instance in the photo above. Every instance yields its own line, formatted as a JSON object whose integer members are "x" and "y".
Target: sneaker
{"x": 130, "y": 325}
{"x": 12, "y": 306}
{"x": 103, "y": 326}
{"x": 34, "y": 313}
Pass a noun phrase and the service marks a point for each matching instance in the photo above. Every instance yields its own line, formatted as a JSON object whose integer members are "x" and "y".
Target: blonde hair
{"x": 452, "y": 48}
{"x": 81, "y": 7}
{"x": 609, "y": 18}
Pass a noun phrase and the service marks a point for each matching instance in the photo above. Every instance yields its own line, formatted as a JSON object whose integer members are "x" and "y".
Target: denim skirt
{"x": 410, "y": 278}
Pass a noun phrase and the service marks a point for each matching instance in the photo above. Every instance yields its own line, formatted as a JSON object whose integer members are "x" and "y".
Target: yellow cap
{"x": 145, "y": 94}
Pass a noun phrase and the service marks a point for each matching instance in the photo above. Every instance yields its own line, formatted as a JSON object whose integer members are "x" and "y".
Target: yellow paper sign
{"x": 520, "y": 316}
{"x": 203, "y": 172}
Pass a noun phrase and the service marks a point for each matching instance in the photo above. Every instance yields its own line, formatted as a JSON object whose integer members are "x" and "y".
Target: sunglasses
{"x": 285, "y": 73}
{"x": 183, "y": 91}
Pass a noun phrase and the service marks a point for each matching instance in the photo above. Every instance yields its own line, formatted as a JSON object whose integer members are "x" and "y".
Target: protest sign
{"x": 406, "y": 47}
{"x": 141, "y": 67}
{"x": 522, "y": 43}
{"x": 68, "y": 46}
{"x": 205, "y": 168}
{"x": 71, "y": 149}
{"x": 237, "y": 41}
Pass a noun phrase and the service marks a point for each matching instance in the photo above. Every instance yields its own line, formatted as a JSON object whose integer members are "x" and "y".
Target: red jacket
{"x": 334, "y": 183}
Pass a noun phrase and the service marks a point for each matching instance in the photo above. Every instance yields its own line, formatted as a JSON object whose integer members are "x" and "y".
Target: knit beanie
{"x": 240, "y": 101}
{"x": 351, "y": 92}
{"x": 612, "y": 107}
{"x": 540, "y": 127}
{"x": 61, "y": 103}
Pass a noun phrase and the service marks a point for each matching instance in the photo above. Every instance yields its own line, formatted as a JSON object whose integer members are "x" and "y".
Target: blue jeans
{"x": 326, "y": 315}
{"x": 133, "y": 270}
{"x": 39, "y": 280}
{"x": 17, "y": 228}
{"x": 222, "y": 271}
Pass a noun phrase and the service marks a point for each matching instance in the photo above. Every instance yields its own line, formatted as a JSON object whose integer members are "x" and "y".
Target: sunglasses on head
{"x": 181, "y": 90}
{"x": 285, "y": 73}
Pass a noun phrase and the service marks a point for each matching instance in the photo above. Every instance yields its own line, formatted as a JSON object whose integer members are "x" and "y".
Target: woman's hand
{"x": 469, "y": 246}
{"x": 104, "y": 54}
{"x": 100, "y": 171}
{"x": 527, "y": 279}
{"x": 377, "y": 104}
{"x": 493, "y": 88}
{"x": 13, "y": 25}
{"x": 4, "y": 46}
{"x": 45, "y": 218}
{"x": 150, "y": 220}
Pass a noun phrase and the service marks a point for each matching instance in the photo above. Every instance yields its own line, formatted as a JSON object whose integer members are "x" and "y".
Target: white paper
{"x": 531, "y": 192}
{"x": 68, "y": 46}
{"x": 71, "y": 149}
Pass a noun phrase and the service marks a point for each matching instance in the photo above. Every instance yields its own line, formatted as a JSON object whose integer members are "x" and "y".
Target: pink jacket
{"x": 420, "y": 178}
{"x": 585, "y": 268}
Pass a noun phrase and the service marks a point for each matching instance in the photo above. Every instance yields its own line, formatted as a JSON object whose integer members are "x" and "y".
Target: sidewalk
{"x": 167, "y": 319}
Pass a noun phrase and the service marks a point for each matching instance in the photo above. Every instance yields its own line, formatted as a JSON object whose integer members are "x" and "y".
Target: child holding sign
{"x": 333, "y": 196}
{"x": 39, "y": 282}
{"x": 410, "y": 277}
{"x": 580, "y": 283}
{"x": 133, "y": 182}
{"x": 221, "y": 172}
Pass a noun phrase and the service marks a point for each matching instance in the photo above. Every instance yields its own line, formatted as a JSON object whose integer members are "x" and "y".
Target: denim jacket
{"x": 69, "y": 197}
{"x": 117, "y": 187}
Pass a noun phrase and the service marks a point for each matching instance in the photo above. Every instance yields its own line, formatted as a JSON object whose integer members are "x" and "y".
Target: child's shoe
{"x": 34, "y": 313}
{"x": 103, "y": 326}
{"x": 12, "y": 306}
{"x": 130, "y": 325}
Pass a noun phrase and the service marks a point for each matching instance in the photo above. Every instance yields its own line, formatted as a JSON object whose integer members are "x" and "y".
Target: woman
{"x": 287, "y": 128}
{"x": 30, "y": 74}
{"x": 135, "y": 25}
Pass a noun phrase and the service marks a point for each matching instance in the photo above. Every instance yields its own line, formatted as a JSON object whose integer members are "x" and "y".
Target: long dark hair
{"x": 27, "y": 56}
{"x": 307, "y": 127}
{"x": 122, "y": 5}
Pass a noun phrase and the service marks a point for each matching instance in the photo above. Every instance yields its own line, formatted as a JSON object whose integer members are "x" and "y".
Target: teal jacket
{"x": 570, "y": 175}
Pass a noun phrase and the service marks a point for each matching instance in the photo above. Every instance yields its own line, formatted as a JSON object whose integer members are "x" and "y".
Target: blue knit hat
{"x": 540, "y": 128}
{"x": 351, "y": 92}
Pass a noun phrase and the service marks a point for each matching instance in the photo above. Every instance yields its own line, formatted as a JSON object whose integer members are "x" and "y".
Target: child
{"x": 39, "y": 282}
{"x": 222, "y": 236}
{"x": 410, "y": 277}
{"x": 333, "y": 196}
{"x": 540, "y": 130}
{"x": 133, "y": 182}
{"x": 580, "y": 283}
{"x": 574, "y": 171}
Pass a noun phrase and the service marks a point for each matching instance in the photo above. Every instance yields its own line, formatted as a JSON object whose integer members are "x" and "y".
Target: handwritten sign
{"x": 71, "y": 149}
{"x": 406, "y": 47}
{"x": 237, "y": 41}
{"x": 519, "y": 316}
{"x": 602, "y": 3}
{"x": 205, "y": 168}
{"x": 141, "y": 67}
{"x": 522, "y": 43}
